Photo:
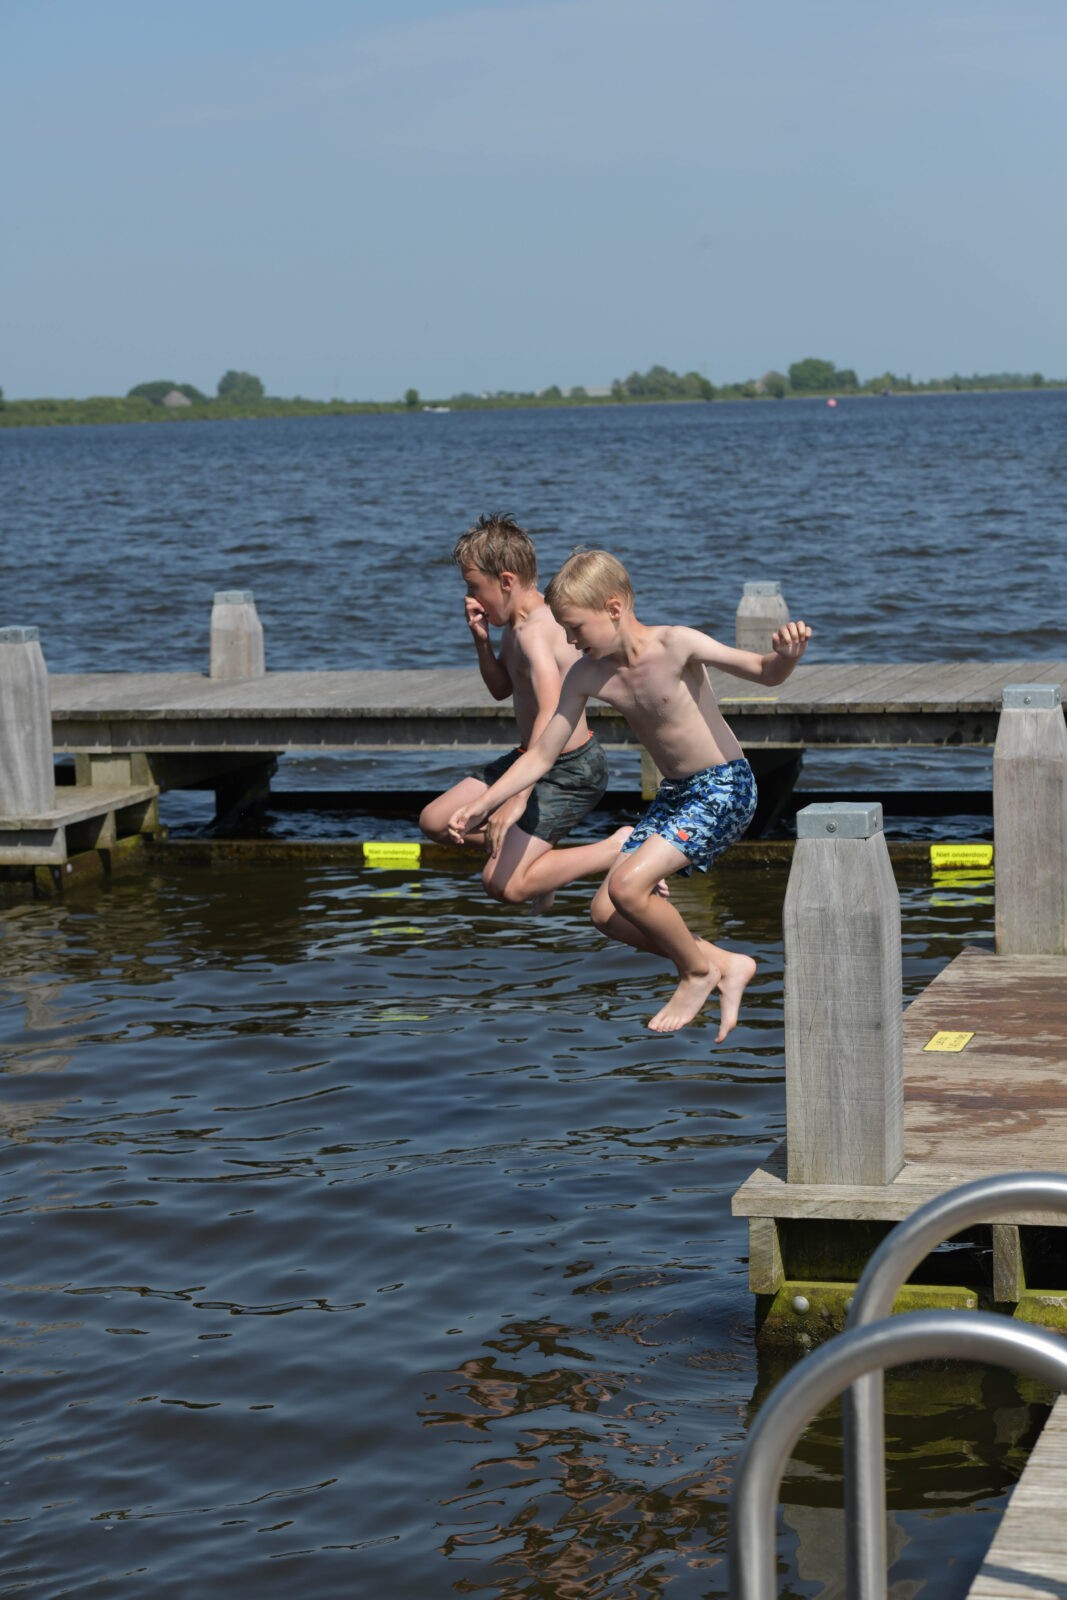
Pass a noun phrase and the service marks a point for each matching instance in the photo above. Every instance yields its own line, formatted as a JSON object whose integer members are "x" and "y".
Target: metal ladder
{"x": 855, "y": 1360}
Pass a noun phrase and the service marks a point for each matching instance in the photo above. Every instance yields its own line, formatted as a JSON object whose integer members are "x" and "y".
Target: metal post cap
{"x": 840, "y": 819}
{"x": 19, "y": 635}
{"x": 233, "y": 597}
{"x": 1032, "y": 697}
{"x": 753, "y": 589}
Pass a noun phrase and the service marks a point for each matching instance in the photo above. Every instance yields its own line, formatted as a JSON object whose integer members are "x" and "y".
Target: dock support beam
{"x": 236, "y": 636}
{"x": 844, "y": 1050}
{"x": 1030, "y": 821}
{"x": 27, "y": 766}
{"x": 761, "y": 611}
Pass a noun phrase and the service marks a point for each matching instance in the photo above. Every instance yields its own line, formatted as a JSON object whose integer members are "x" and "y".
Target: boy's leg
{"x": 528, "y": 868}
{"x": 433, "y": 819}
{"x": 627, "y": 907}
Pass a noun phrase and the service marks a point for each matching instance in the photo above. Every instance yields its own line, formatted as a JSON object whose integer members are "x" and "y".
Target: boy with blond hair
{"x": 499, "y": 567}
{"x": 655, "y": 677}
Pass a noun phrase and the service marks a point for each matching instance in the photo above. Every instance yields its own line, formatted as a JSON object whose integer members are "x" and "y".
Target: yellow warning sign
{"x": 949, "y": 1041}
{"x": 391, "y": 852}
{"x": 960, "y": 855}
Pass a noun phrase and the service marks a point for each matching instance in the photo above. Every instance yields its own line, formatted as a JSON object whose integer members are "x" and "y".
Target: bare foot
{"x": 540, "y": 902}
{"x": 663, "y": 889}
{"x": 690, "y": 995}
{"x": 736, "y": 976}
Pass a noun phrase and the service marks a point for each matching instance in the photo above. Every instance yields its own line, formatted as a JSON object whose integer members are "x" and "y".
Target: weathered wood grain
{"x": 843, "y": 1044}
{"x": 236, "y": 636}
{"x": 1000, "y": 1105}
{"x": 27, "y": 769}
{"x": 1030, "y": 824}
{"x": 829, "y": 705}
{"x": 95, "y": 818}
{"x": 761, "y": 610}
{"x": 1027, "y": 1559}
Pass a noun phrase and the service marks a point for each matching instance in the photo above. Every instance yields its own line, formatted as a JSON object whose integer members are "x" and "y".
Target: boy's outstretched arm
{"x": 788, "y": 644}
{"x": 530, "y": 766}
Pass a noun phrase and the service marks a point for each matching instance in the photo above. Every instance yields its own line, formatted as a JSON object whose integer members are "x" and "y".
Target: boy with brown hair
{"x": 655, "y": 677}
{"x": 499, "y": 567}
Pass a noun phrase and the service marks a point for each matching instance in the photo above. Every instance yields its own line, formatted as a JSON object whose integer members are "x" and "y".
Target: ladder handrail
{"x": 884, "y": 1275}
{"x": 821, "y": 1377}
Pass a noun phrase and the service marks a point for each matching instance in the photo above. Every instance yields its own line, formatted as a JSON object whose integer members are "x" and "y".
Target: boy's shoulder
{"x": 669, "y": 637}
{"x": 538, "y": 623}
{"x": 680, "y": 637}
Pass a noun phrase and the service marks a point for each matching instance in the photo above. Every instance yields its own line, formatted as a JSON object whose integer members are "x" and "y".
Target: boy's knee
{"x": 623, "y": 894}
{"x": 507, "y": 891}
{"x": 430, "y": 824}
{"x": 601, "y": 911}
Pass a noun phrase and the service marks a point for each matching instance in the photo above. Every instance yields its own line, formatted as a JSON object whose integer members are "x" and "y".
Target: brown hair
{"x": 496, "y": 544}
{"x": 589, "y": 578}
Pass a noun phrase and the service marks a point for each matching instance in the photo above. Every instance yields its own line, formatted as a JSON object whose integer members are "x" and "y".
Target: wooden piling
{"x": 761, "y": 611}
{"x": 1030, "y": 821}
{"x": 236, "y": 636}
{"x": 27, "y": 769}
{"x": 843, "y": 1001}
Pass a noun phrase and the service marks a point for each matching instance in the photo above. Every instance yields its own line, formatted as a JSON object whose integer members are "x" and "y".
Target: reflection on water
{"x": 359, "y": 1239}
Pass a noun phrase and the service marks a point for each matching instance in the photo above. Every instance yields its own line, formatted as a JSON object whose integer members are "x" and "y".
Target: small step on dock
{"x": 42, "y": 824}
{"x": 81, "y": 818}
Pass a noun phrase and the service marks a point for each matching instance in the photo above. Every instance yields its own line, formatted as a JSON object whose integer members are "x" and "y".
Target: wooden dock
{"x": 929, "y": 703}
{"x": 996, "y": 1104}
{"x": 1028, "y": 1557}
{"x": 82, "y": 818}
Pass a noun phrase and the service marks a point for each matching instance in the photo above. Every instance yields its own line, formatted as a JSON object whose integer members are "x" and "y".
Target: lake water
{"x": 358, "y": 1237}
{"x": 905, "y": 529}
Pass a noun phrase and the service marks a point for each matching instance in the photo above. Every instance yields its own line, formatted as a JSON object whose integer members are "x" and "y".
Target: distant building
{"x": 174, "y": 398}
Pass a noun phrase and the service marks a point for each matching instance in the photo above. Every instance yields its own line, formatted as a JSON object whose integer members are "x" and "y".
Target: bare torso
{"x": 667, "y": 701}
{"x": 533, "y": 640}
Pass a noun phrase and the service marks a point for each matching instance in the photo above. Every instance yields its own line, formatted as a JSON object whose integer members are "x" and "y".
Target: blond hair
{"x": 589, "y": 578}
{"x": 495, "y": 544}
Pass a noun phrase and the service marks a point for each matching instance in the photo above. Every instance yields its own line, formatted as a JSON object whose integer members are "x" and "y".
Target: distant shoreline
{"x": 105, "y": 409}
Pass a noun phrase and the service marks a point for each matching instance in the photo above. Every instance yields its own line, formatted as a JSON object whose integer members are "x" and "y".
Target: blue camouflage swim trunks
{"x": 701, "y": 815}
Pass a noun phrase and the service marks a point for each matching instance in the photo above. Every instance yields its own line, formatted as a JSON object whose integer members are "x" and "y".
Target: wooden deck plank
{"x": 828, "y": 690}
{"x": 825, "y": 705}
{"x": 906, "y": 688}
{"x": 78, "y": 804}
{"x": 807, "y": 686}
{"x": 1027, "y": 1559}
{"x": 1000, "y": 1105}
{"x": 938, "y": 684}
{"x": 988, "y": 681}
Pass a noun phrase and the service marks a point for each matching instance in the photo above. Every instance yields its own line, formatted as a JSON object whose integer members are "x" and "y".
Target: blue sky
{"x": 351, "y": 198}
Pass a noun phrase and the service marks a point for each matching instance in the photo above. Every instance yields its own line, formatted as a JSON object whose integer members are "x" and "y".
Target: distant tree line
{"x": 243, "y": 394}
{"x": 811, "y": 376}
{"x": 659, "y": 383}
